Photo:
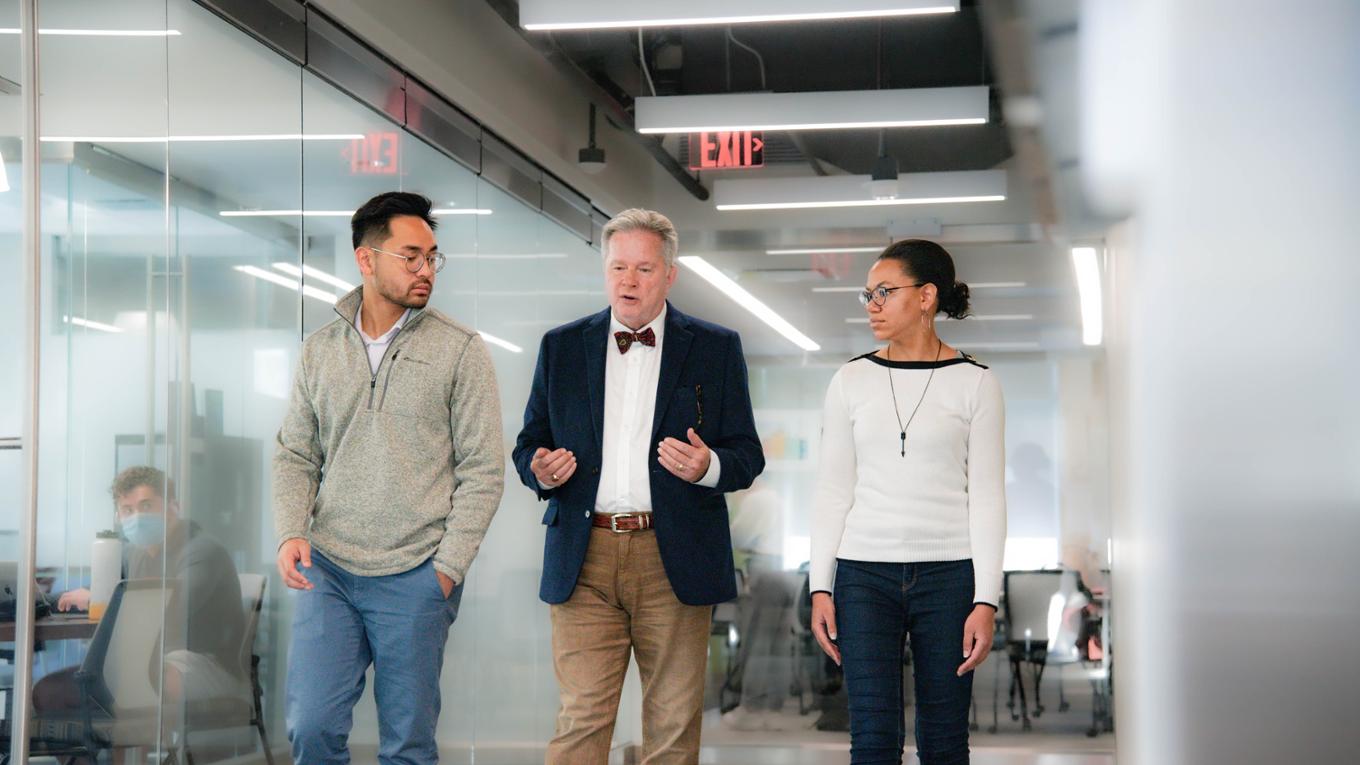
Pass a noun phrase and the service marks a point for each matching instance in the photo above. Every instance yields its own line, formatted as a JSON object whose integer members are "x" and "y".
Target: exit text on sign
{"x": 726, "y": 150}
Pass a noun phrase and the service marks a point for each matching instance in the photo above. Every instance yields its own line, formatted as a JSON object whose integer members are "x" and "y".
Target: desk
{"x": 54, "y": 627}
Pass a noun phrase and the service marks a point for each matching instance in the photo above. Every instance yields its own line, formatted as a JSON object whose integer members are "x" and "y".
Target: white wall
{"x": 1233, "y": 370}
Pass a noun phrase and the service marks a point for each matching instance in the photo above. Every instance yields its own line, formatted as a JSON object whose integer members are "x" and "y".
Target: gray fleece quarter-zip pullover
{"x": 380, "y": 471}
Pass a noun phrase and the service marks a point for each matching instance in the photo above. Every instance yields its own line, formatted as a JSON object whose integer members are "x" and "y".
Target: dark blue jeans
{"x": 397, "y": 623}
{"x": 880, "y": 605}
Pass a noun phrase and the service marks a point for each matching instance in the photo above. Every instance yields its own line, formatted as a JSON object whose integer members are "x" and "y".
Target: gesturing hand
{"x": 552, "y": 468}
{"x": 686, "y": 461}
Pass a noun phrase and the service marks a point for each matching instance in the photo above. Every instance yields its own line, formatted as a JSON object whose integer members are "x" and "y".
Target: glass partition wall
{"x": 196, "y": 188}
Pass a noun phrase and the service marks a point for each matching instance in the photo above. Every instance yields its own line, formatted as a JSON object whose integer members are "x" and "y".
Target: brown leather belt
{"x": 620, "y": 522}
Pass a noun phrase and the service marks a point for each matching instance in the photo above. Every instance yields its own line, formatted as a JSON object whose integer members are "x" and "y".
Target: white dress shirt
{"x": 630, "y": 381}
{"x": 376, "y": 348}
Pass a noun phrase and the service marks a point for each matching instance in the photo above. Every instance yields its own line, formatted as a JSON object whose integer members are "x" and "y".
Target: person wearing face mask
{"x": 204, "y": 622}
{"x": 909, "y": 515}
{"x": 638, "y": 422}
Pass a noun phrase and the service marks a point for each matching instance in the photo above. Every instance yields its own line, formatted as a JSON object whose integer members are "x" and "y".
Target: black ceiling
{"x": 910, "y": 52}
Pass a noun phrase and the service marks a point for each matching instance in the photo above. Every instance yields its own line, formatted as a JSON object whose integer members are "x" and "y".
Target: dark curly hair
{"x": 925, "y": 261}
{"x": 142, "y": 475}
{"x": 371, "y": 223}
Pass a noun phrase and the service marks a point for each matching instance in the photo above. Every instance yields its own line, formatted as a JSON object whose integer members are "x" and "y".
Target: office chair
{"x": 1042, "y": 621}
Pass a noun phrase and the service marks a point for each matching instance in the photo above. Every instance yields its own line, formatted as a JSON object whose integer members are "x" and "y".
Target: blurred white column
{"x": 1234, "y": 365}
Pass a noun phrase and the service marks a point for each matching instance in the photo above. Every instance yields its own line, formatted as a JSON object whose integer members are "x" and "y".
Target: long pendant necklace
{"x": 903, "y": 428}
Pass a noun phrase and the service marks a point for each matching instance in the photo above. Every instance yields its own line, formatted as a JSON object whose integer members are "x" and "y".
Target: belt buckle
{"x": 614, "y": 522}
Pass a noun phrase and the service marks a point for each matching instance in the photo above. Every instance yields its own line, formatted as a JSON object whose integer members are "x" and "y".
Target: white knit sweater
{"x": 944, "y": 501}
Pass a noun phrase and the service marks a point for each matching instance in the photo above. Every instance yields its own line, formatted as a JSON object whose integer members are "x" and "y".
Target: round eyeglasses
{"x": 416, "y": 262}
{"x": 880, "y": 294}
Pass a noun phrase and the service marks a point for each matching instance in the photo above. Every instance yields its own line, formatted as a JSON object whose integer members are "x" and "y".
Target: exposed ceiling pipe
{"x": 618, "y": 114}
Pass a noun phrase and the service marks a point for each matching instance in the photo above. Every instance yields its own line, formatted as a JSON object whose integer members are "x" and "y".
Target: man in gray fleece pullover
{"x": 388, "y": 469}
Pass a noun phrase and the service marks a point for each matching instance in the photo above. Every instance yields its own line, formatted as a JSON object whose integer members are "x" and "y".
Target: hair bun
{"x": 954, "y": 303}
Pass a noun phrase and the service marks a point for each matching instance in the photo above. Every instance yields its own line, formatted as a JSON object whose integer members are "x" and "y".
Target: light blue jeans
{"x": 397, "y": 623}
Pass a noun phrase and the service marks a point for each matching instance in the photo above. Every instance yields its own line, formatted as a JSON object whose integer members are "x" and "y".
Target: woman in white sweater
{"x": 909, "y": 516}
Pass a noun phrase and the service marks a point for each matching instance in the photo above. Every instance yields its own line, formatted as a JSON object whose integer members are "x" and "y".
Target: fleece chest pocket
{"x": 412, "y": 387}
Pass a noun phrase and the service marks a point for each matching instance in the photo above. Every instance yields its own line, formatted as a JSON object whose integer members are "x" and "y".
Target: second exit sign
{"x": 726, "y": 150}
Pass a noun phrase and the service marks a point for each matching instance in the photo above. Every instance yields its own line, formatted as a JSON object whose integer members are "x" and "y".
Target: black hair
{"x": 372, "y": 221}
{"x": 928, "y": 262}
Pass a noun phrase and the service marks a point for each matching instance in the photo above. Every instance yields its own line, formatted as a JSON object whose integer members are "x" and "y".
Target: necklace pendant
{"x": 904, "y": 443}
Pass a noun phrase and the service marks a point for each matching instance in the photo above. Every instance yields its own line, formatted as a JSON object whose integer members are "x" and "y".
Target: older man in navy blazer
{"x": 638, "y": 423}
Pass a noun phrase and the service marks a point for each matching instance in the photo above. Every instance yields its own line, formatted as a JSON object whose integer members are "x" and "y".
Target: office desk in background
{"x": 67, "y": 626}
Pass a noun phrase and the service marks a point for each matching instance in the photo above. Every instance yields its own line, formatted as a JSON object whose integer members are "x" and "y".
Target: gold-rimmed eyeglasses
{"x": 416, "y": 262}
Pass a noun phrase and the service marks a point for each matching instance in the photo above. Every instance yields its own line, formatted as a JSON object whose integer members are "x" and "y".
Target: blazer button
{"x": 595, "y": 471}
{"x": 587, "y": 513}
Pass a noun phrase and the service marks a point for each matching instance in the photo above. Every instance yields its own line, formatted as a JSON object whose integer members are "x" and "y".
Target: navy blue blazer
{"x": 702, "y": 370}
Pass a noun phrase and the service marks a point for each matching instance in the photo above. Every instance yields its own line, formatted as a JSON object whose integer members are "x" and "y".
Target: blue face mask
{"x": 144, "y": 529}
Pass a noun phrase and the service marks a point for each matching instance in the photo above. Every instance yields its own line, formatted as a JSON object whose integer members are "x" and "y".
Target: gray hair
{"x": 636, "y": 219}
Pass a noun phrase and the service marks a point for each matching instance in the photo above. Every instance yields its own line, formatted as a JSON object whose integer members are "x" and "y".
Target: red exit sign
{"x": 374, "y": 154}
{"x": 726, "y": 150}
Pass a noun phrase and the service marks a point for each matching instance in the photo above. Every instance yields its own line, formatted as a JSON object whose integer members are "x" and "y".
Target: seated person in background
{"x": 204, "y": 621}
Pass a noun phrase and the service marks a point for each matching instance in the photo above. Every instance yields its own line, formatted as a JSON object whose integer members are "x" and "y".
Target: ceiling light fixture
{"x": 591, "y": 158}
{"x": 331, "y": 213}
{"x": 555, "y": 15}
{"x": 826, "y": 110}
{"x": 99, "y": 32}
{"x": 243, "y": 138}
{"x": 1088, "y": 286}
{"x": 971, "y": 317}
{"x": 506, "y": 344}
{"x": 741, "y": 297}
{"x": 79, "y": 322}
{"x": 995, "y": 285}
{"x": 848, "y": 191}
{"x": 823, "y": 250}
{"x": 315, "y": 273}
{"x": 883, "y": 178}
{"x": 292, "y": 284}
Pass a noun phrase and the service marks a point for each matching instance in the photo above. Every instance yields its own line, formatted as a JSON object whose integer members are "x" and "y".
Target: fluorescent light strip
{"x": 748, "y": 301}
{"x": 525, "y": 256}
{"x": 813, "y": 110}
{"x": 790, "y": 126}
{"x": 859, "y": 203}
{"x": 79, "y": 322}
{"x": 824, "y": 250}
{"x": 331, "y": 213}
{"x": 292, "y": 284}
{"x": 1021, "y": 346}
{"x": 974, "y": 286}
{"x": 983, "y": 317}
{"x": 201, "y": 138}
{"x": 315, "y": 273}
{"x": 1088, "y": 285}
{"x": 99, "y": 32}
{"x": 681, "y": 21}
{"x": 507, "y": 345}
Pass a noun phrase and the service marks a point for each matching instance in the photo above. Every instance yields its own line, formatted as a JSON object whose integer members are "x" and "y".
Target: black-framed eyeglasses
{"x": 416, "y": 262}
{"x": 880, "y": 294}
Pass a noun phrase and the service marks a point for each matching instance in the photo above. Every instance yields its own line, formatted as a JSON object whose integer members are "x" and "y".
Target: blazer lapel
{"x": 674, "y": 350}
{"x": 595, "y": 335}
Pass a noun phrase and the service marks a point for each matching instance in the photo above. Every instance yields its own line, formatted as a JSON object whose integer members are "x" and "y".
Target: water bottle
{"x": 106, "y": 569}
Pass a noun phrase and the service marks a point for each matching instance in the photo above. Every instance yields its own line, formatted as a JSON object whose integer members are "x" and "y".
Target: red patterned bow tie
{"x": 626, "y": 339}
